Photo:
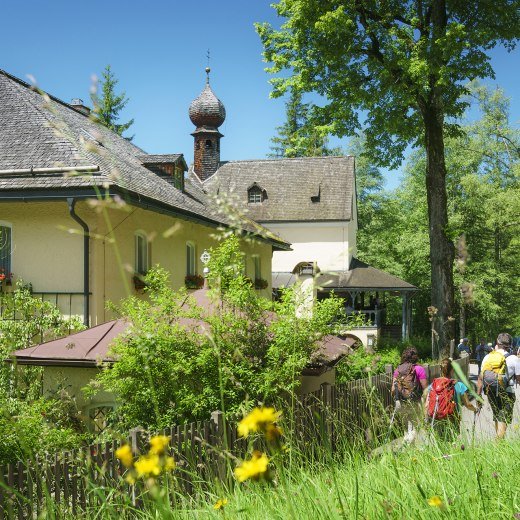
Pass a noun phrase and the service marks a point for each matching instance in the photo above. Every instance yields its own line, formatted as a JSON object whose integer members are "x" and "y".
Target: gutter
{"x": 63, "y": 169}
{"x": 56, "y": 362}
{"x": 42, "y": 194}
{"x": 86, "y": 277}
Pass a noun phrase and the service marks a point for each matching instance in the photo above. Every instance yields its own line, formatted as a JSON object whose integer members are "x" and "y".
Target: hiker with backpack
{"x": 408, "y": 385}
{"x": 499, "y": 375}
{"x": 444, "y": 401}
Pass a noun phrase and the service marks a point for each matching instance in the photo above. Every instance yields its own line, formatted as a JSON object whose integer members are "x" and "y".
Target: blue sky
{"x": 158, "y": 49}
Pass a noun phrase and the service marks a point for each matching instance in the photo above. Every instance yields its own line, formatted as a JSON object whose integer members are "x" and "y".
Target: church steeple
{"x": 207, "y": 113}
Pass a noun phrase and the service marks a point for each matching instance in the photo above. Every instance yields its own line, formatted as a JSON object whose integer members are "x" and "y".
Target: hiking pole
{"x": 475, "y": 414}
{"x": 397, "y": 405}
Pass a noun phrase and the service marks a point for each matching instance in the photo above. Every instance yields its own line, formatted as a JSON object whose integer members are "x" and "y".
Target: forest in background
{"x": 483, "y": 185}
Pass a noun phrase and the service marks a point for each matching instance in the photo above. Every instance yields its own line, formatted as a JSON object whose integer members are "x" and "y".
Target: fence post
{"x": 326, "y": 413}
{"x": 135, "y": 439}
{"x": 220, "y": 442}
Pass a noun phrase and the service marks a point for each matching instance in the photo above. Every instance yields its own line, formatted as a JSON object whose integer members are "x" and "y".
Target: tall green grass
{"x": 469, "y": 482}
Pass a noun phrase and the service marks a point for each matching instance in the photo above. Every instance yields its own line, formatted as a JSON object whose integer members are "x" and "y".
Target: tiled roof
{"x": 41, "y": 131}
{"x": 92, "y": 346}
{"x": 299, "y": 189}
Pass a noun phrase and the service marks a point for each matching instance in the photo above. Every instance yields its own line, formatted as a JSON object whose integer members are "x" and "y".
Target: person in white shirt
{"x": 502, "y": 402}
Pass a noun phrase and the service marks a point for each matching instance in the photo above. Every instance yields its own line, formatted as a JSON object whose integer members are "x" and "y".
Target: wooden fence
{"x": 203, "y": 450}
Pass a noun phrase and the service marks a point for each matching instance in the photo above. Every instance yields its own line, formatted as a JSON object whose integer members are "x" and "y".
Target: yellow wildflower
{"x": 435, "y": 501}
{"x": 158, "y": 444}
{"x": 257, "y": 419}
{"x": 254, "y": 468}
{"x": 130, "y": 478}
{"x": 148, "y": 465}
{"x": 221, "y": 502}
{"x": 169, "y": 464}
{"x": 124, "y": 454}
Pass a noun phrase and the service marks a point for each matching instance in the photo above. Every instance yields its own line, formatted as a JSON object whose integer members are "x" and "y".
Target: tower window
{"x": 208, "y": 143}
{"x": 255, "y": 194}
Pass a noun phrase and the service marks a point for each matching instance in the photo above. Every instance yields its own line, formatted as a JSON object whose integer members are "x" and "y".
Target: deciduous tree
{"x": 403, "y": 64}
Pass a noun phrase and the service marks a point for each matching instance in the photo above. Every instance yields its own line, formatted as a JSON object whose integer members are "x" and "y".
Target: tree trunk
{"x": 462, "y": 315}
{"x": 442, "y": 250}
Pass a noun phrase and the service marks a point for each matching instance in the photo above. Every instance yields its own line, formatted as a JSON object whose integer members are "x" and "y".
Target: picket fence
{"x": 203, "y": 450}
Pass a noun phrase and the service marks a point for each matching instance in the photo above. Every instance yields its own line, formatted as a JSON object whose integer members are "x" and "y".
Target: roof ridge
{"x": 223, "y": 163}
{"x": 39, "y": 90}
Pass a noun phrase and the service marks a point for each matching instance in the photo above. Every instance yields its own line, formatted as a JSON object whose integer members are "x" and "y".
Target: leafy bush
{"x": 30, "y": 424}
{"x": 29, "y": 429}
{"x": 361, "y": 364}
{"x": 25, "y": 320}
{"x": 180, "y": 362}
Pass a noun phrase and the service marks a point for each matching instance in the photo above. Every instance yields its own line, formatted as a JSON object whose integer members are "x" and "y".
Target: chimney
{"x": 77, "y": 104}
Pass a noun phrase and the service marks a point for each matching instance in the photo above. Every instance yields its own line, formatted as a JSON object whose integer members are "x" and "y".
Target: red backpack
{"x": 441, "y": 399}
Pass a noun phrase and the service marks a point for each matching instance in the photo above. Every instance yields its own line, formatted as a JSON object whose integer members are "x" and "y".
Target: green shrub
{"x": 361, "y": 364}
{"x": 29, "y": 429}
{"x": 249, "y": 349}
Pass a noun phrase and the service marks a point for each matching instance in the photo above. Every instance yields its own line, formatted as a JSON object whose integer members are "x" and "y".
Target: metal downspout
{"x": 86, "y": 279}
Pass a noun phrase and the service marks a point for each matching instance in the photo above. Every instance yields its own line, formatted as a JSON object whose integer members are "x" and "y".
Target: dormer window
{"x": 255, "y": 194}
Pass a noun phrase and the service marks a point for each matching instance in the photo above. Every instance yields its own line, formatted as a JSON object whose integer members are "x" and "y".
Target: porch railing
{"x": 373, "y": 317}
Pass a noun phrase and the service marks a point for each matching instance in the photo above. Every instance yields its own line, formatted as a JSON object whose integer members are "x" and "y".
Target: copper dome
{"x": 207, "y": 109}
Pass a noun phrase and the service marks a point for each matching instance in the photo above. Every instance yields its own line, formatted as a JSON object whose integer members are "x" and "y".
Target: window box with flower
{"x": 261, "y": 283}
{"x": 139, "y": 283}
{"x": 6, "y": 278}
{"x": 194, "y": 281}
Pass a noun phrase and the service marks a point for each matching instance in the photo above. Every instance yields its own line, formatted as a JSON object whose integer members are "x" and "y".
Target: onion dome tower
{"x": 207, "y": 113}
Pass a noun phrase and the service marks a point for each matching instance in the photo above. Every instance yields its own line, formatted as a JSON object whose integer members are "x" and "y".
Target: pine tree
{"x": 108, "y": 106}
{"x": 296, "y": 137}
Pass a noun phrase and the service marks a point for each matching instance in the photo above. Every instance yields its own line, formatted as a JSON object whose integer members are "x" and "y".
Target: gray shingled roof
{"x": 360, "y": 276}
{"x": 160, "y": 158}
{"x": 289, "y": 185}
{"x": 41, "y": 131}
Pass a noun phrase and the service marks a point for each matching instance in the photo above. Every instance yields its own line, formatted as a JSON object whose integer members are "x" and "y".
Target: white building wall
{"x": 327, "y": 244}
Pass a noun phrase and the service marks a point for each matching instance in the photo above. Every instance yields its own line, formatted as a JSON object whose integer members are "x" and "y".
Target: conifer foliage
{"x": 108, "y": 105}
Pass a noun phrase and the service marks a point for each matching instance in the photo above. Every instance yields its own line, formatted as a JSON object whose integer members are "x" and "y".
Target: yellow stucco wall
{"x": 73, "y": 380}
{"x": 312, "y": 383}
{"x": 48, "y": 250}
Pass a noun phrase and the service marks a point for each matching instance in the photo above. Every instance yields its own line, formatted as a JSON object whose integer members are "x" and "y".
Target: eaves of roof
{"x": 134, "y": 198}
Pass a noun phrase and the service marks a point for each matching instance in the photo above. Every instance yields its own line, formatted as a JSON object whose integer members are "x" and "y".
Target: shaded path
{"x": 484, "y": 427}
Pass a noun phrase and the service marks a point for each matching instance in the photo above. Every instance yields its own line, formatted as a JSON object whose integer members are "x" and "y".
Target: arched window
{"x": 208, "y": 143}
{"x": 6, "y": 249}
{"x": 191, "y": 264}
{"x": 142, "y": 253}
{"x": 255, "y": 194}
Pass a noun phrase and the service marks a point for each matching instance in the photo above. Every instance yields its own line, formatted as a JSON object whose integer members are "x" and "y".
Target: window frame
{"x": 257, "y": 267}
{"x": 141, "y": 270}
{"x": 254, "y": 193}
{"x": 9, "y": 263}
{"x": 191, "y": 258}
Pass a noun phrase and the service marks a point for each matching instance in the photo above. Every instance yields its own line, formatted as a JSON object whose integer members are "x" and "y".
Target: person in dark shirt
{"x": 463, "y": 347}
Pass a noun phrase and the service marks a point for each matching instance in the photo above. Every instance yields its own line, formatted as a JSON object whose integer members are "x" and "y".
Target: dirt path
{"x": 484, "y": 426}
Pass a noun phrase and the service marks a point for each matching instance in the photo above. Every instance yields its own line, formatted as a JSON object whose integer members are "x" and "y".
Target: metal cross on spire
{"x": 208, "y": 70}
